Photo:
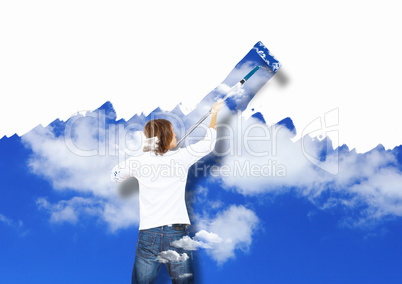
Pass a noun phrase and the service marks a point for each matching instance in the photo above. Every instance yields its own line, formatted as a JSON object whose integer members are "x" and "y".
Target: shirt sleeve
{"x": 123, "y": 171}
{"x": 196, "y": 151}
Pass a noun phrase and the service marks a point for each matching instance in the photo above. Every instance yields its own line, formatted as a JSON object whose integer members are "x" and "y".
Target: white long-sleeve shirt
{"x": 162, "y": 181}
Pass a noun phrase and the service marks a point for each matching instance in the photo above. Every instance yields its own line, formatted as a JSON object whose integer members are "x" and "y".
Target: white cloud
{"x": 258, "y": 158}
{"x": 190, "y": 244}
{"x": 274, "y": 164}
{"x": 227, "y": 232}
{"x": 170, "y": 255}
{"x": 208, "y": 237}
{"x": 120, "y": 214}
{"x": 5, "y": 220}
{"x": 235, "y": 92}
{"x": 80, "y": 160}
{"x": 223, "y": 88}
{"x": 202, "y": 239}
{"x": 70, "y": 210}
{"x": 230, "y": 230}
{"x": 185, "y": 275}
{"x": 117, "y": 214}
{"x": 16, "y": 225}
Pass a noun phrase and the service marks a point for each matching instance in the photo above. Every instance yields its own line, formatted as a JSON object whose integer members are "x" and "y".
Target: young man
{"x": 162, "y": 176}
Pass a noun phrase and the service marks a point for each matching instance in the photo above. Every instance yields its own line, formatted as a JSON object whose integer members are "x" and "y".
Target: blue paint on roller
{"x": 267, "y": 56}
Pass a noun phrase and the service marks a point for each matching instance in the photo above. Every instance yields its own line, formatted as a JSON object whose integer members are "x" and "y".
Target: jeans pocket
{"x": 145, "y": 245}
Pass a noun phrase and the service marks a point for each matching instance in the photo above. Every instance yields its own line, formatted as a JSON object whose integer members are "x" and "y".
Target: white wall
{"x": 60, "y": 57}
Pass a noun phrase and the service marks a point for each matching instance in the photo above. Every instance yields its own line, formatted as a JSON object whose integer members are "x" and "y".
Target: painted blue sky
{"x": 319, "y": 213}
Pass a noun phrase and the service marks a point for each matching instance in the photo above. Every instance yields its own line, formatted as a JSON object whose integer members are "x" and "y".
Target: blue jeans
{"x": 147, "y": 264}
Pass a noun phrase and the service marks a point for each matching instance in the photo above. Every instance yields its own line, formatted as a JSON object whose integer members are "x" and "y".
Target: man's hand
{"x": 217, "y": 106}
{"x": 214, "y": 111}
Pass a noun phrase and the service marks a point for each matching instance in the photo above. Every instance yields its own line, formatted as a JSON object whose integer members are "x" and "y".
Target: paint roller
{"x": 272, "y": 65}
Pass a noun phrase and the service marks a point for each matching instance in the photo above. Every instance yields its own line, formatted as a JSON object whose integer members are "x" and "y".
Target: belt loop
{"x": 180, "y": 227}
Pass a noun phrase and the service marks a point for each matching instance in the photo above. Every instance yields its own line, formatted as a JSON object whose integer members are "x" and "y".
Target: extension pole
{"x": 234, "y": 88}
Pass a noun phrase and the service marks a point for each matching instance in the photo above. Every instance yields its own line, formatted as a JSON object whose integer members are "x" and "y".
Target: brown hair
{"x": 161, "y": 128}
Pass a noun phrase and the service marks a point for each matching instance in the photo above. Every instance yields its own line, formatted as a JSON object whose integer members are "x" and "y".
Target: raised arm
{"x": 194, "y": 152}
